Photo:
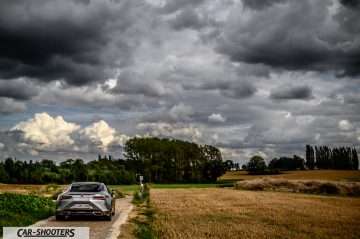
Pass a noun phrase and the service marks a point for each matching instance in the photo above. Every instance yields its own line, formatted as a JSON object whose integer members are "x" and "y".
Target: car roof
{"x": 79, "y": 183}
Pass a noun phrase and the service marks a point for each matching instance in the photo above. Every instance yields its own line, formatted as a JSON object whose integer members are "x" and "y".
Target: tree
{"x": 256, "y": 164}
{"x": 229, "y": 165}
{"x": 355, "y": 159}
{"x": 310, "y": 160}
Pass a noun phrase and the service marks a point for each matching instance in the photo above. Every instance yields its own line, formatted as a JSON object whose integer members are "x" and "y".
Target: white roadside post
{"x": 141, "y": 185}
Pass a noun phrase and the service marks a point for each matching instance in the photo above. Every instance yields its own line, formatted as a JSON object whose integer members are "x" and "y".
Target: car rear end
{"x": 78, "y": 201}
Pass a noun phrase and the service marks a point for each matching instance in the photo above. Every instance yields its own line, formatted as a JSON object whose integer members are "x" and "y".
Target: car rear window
{"x": 86, "y": 188}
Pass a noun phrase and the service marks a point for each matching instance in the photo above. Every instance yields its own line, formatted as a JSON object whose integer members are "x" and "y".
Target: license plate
{"x": 82, "y": 206}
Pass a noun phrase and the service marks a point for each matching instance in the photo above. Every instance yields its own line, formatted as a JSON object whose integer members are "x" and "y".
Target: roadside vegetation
{"x": 328, "y": 175}
{"x": 226, "y": 213}
{"x": 23, "y": 210}
{"x": 140, "y": 222}
{"x": 301, "y": 186}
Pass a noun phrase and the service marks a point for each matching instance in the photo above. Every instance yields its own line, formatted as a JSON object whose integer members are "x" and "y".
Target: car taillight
{"x": 99, "y": 197}
{"x": 64, "y": 197}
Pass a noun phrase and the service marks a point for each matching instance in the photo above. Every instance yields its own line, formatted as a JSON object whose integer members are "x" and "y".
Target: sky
{"x": 251, "y": 77}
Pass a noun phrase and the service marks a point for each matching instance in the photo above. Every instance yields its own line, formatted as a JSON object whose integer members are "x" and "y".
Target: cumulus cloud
{"x": 47, "y": 131}
{"x": 102, "y": 135}
{"x": 177, "y": 113}
{"x": 186, "y": 132}
{"x": 345, "y": 125}
{"x": 292, "y": 93}
{"x": 217, "y": 118}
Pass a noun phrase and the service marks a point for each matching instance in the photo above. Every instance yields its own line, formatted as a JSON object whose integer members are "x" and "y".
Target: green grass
{"x": 126, "y": 189}
{"x": 130, "y": 189}
{"x": 23, "y": 210}
{"x": 190, "y": 185}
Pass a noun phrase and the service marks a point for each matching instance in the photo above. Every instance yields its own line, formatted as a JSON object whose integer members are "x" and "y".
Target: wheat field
{"x": 228, "y": 213}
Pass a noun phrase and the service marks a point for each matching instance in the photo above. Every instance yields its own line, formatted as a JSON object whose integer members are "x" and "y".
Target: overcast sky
{"x": 80, "y": 77}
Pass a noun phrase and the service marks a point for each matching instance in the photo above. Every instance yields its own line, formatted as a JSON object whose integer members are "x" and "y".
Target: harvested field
{"x": 227, "y": 213}
{"x": 301, "y": 186}
{"x": 329, "y": 175}
{"x": 41, "y": 190}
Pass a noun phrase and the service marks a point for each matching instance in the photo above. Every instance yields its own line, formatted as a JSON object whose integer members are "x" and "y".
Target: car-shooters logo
{"x": 46, "y": 232}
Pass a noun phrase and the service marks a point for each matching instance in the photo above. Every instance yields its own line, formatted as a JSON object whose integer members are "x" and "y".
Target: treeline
{"x": 105, "y": 170}
{"x": 287, "y": 163}
{"x": 323, "y": 157}
{"x": 174, "y": 161}
{"x": 157, "y": 160}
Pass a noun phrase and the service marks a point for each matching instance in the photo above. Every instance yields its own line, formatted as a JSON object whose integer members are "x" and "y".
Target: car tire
{"x": 60, "y": 218}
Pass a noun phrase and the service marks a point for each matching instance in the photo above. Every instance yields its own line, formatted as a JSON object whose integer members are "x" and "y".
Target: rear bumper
{"x": 68, "y": 212}
{"x": 95, "y": 210}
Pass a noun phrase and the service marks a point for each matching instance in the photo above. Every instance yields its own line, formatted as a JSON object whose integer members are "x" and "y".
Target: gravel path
{"x": 98, "y": 229}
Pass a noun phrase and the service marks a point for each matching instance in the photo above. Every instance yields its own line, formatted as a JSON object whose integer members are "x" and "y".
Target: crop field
{"x": 32, "y": 189}
{"x": 328, "y": 175}
{"x": 22, "y": 210}
{"x": 228, "y": 213}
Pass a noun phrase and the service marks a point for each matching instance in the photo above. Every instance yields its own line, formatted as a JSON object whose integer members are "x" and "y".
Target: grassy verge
{"x": 23, "y": 210}
{"x": 145, "y": 216}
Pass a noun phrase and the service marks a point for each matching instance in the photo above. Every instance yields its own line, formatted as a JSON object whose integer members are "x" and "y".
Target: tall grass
{"x": 301, "y": 186}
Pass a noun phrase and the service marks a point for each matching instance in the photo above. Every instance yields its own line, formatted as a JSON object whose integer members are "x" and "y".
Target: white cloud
{"x": 188, "y": 132}
{"x": 47, "y": 131}
{"x": 216, "y": 118}
{"x": 181, "y": 112}
{"x": 100, "y": 132}
{"x": 2, "y": 146}
{"x": 345, "y": 125}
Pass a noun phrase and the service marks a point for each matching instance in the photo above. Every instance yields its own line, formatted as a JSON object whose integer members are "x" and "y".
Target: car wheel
{"x": 107, "y": 218}
{"x": 59, "y": 218}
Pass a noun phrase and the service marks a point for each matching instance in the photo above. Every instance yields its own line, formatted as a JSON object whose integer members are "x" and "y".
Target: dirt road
{"x": 98, "y": 229}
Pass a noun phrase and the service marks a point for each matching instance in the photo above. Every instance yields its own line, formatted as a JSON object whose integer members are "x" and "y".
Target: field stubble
{"x": 227, "y": 213}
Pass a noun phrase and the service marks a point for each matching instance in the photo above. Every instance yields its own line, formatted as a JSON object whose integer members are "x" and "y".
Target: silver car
{"x": 86, "y": 198}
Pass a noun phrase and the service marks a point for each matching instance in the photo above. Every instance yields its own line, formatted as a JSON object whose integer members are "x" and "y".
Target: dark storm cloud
{"x": 296, "y": 35}
{"x": 292, "y": 93}
{"x": 65, "y": 40}
{"x": 352, "y": 98}
{"x": 187, "y": 18}
{"x": 171, "y": 6}
{"x": 260, "y": 4}
{"x": 17, "y": 89}
{"x": 351, "y": 3}
{"x": 231, "y": 89}
{"x": 133, "y": 83}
